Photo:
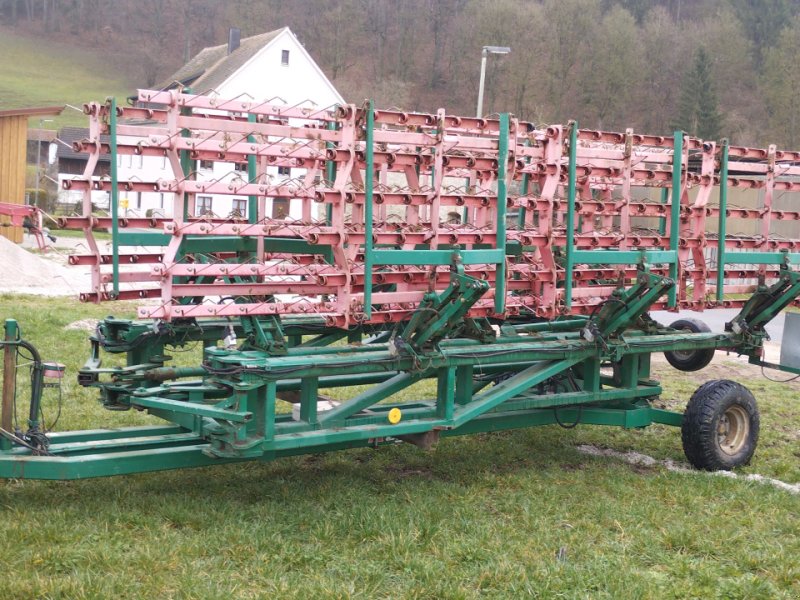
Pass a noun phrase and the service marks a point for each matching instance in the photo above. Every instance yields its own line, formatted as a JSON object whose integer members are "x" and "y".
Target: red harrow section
{"x": 355, "y": 214}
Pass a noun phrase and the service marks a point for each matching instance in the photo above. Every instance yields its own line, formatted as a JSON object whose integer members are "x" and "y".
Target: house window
{"x": 280, "y": 208}
{"x": 285, "y": 57}
{"x": 242, "y": 167}
{"x": 161, "y": 200}
{"x": 285, "y": 171}
{"x": 207, "y": 164}
{"x": 239, "y": 207}
{"x": 203, "y": 206}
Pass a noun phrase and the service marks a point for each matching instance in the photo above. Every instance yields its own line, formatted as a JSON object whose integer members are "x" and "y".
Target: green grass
{"x": 78, "y": 233}
{"x": 36, "y": 71}
{"x": 480, "y": 516}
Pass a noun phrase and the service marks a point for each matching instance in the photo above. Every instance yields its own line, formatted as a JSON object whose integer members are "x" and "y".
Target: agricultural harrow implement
{"x": 498, "y": 273}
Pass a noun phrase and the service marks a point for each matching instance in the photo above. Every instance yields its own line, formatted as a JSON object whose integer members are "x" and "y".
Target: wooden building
{"x": 13, "y": 149}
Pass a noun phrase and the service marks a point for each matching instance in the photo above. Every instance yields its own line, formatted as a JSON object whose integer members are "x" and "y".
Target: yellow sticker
{"x": 395, "y": 415}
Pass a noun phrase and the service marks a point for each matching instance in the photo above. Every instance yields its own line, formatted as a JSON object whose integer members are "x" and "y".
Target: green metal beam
{"x": 330, "y": 174}
{"x": 194, "y": 408}
{"x": 502, "y": 198}
{"x": 252, "y": 176}
{"x": 723, "y": 220}
{"x": 369, "y": 259}
{"x": 511, "y": 387}
{"x": 569, "y": 265}
{"x": 112, "y": 137}
{"x": 437, "y": 257}
{"x": 675, "y": 213}
{"x": 762, "y": 258}
{"x": 623, "y": 257}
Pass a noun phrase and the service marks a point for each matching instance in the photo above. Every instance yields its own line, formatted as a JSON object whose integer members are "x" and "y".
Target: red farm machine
{"x": 513, "y": 264}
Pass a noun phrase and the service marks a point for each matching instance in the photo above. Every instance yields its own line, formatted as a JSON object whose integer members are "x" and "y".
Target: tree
{"x": 735, "y": 76}
{"x": 611, "y": 72}
{"x": 657, "y": 98}
{"x": 781, "y": 84}
{"x": 568, "y": 47}
{"x": 698, "y": 111}
{"x": 763, "y": 21}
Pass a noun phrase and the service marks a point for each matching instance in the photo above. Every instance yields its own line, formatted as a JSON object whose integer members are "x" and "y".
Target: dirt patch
{"x": 642, "y": 461}
{"x": 398, "y": 472}
{"x": 83, "y": 325}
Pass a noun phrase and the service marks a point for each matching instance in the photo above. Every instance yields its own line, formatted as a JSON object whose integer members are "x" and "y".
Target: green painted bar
{"x": 138, "y": 237}
{"x": 569, "y": 266}
{"x": 436, "y": 257}
{"x": 511, "y": 387}
{"x": 9, "y": 387}
{"x": 762, "y": 258}
{"x": 675, "y": 213}
{"x": 369, "y": 397}
{"x": 187, "y": 164}
{"x": 445, "y": 393}
{"x": 252, "y": 175}
{"x": 108, "y": 463}
{"x": 124, "y": 445}
{"x": 330, "y": 174}
{"x": 369, "y": 176}
{"x": 666, "y": 417}
{"x": 112, "y": 138}
{"x": 623, "y": 257}
{"x": 309, "y": 392}
{"x": 92, "y": 435}
{"x": 502, "y": 198}
{"x": 723, "y": 220}
{"x": 573, "y": 398}
{"x": 377, "y": 415}
{"x": 524, "y": 189}
{"x": 193, "y": 408}
{"x": 662, "y": 221}
{"x": 573, "y": 324}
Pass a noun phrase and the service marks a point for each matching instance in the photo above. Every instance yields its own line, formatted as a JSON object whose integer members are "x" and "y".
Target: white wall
{"x": 143, "y": 168}
{"x": 263, "y": 77}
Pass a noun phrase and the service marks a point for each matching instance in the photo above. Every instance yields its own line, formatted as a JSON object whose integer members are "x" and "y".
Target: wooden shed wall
{"x": 13, "y": 135}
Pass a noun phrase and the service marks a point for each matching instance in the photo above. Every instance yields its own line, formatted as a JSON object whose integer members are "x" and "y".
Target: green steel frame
{"x": 593, "y": 370}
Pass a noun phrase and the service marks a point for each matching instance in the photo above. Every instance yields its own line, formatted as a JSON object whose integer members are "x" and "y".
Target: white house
{"x": 272, "y": 65}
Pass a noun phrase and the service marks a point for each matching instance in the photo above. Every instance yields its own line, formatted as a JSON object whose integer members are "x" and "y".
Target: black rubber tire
{"x": 708, "y": 418}
{"x": 690, "y": 360}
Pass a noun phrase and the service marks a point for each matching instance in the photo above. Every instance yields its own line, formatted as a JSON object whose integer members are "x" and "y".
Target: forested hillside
{"x": 713, "y": 67}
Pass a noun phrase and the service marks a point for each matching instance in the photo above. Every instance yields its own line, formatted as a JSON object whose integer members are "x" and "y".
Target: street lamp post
{"x": 39, "y": 158}
{"x": 487, "y": 50}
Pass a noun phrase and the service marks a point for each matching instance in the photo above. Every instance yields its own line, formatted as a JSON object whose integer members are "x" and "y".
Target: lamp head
{"x": 496, "y": 49}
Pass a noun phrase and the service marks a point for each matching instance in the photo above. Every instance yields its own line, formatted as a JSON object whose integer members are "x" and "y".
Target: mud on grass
{"x": 506, "y": 515}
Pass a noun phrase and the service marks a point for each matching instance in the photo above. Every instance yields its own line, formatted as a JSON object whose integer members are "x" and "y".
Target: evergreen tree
{"x": 698, "y": 110}
{"x": 763, "y": 21}
{"x": 781, "y": 86}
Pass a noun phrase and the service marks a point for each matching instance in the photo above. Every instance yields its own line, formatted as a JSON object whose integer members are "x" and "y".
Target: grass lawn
{"x": 36, "y": 71}
{"x": 78, "y": 234}
{"x": 506, "y": 515}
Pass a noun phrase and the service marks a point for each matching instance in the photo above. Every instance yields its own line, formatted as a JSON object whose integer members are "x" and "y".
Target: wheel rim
{"x": 684, "y": 355}
{"x": 733, "y": 430}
